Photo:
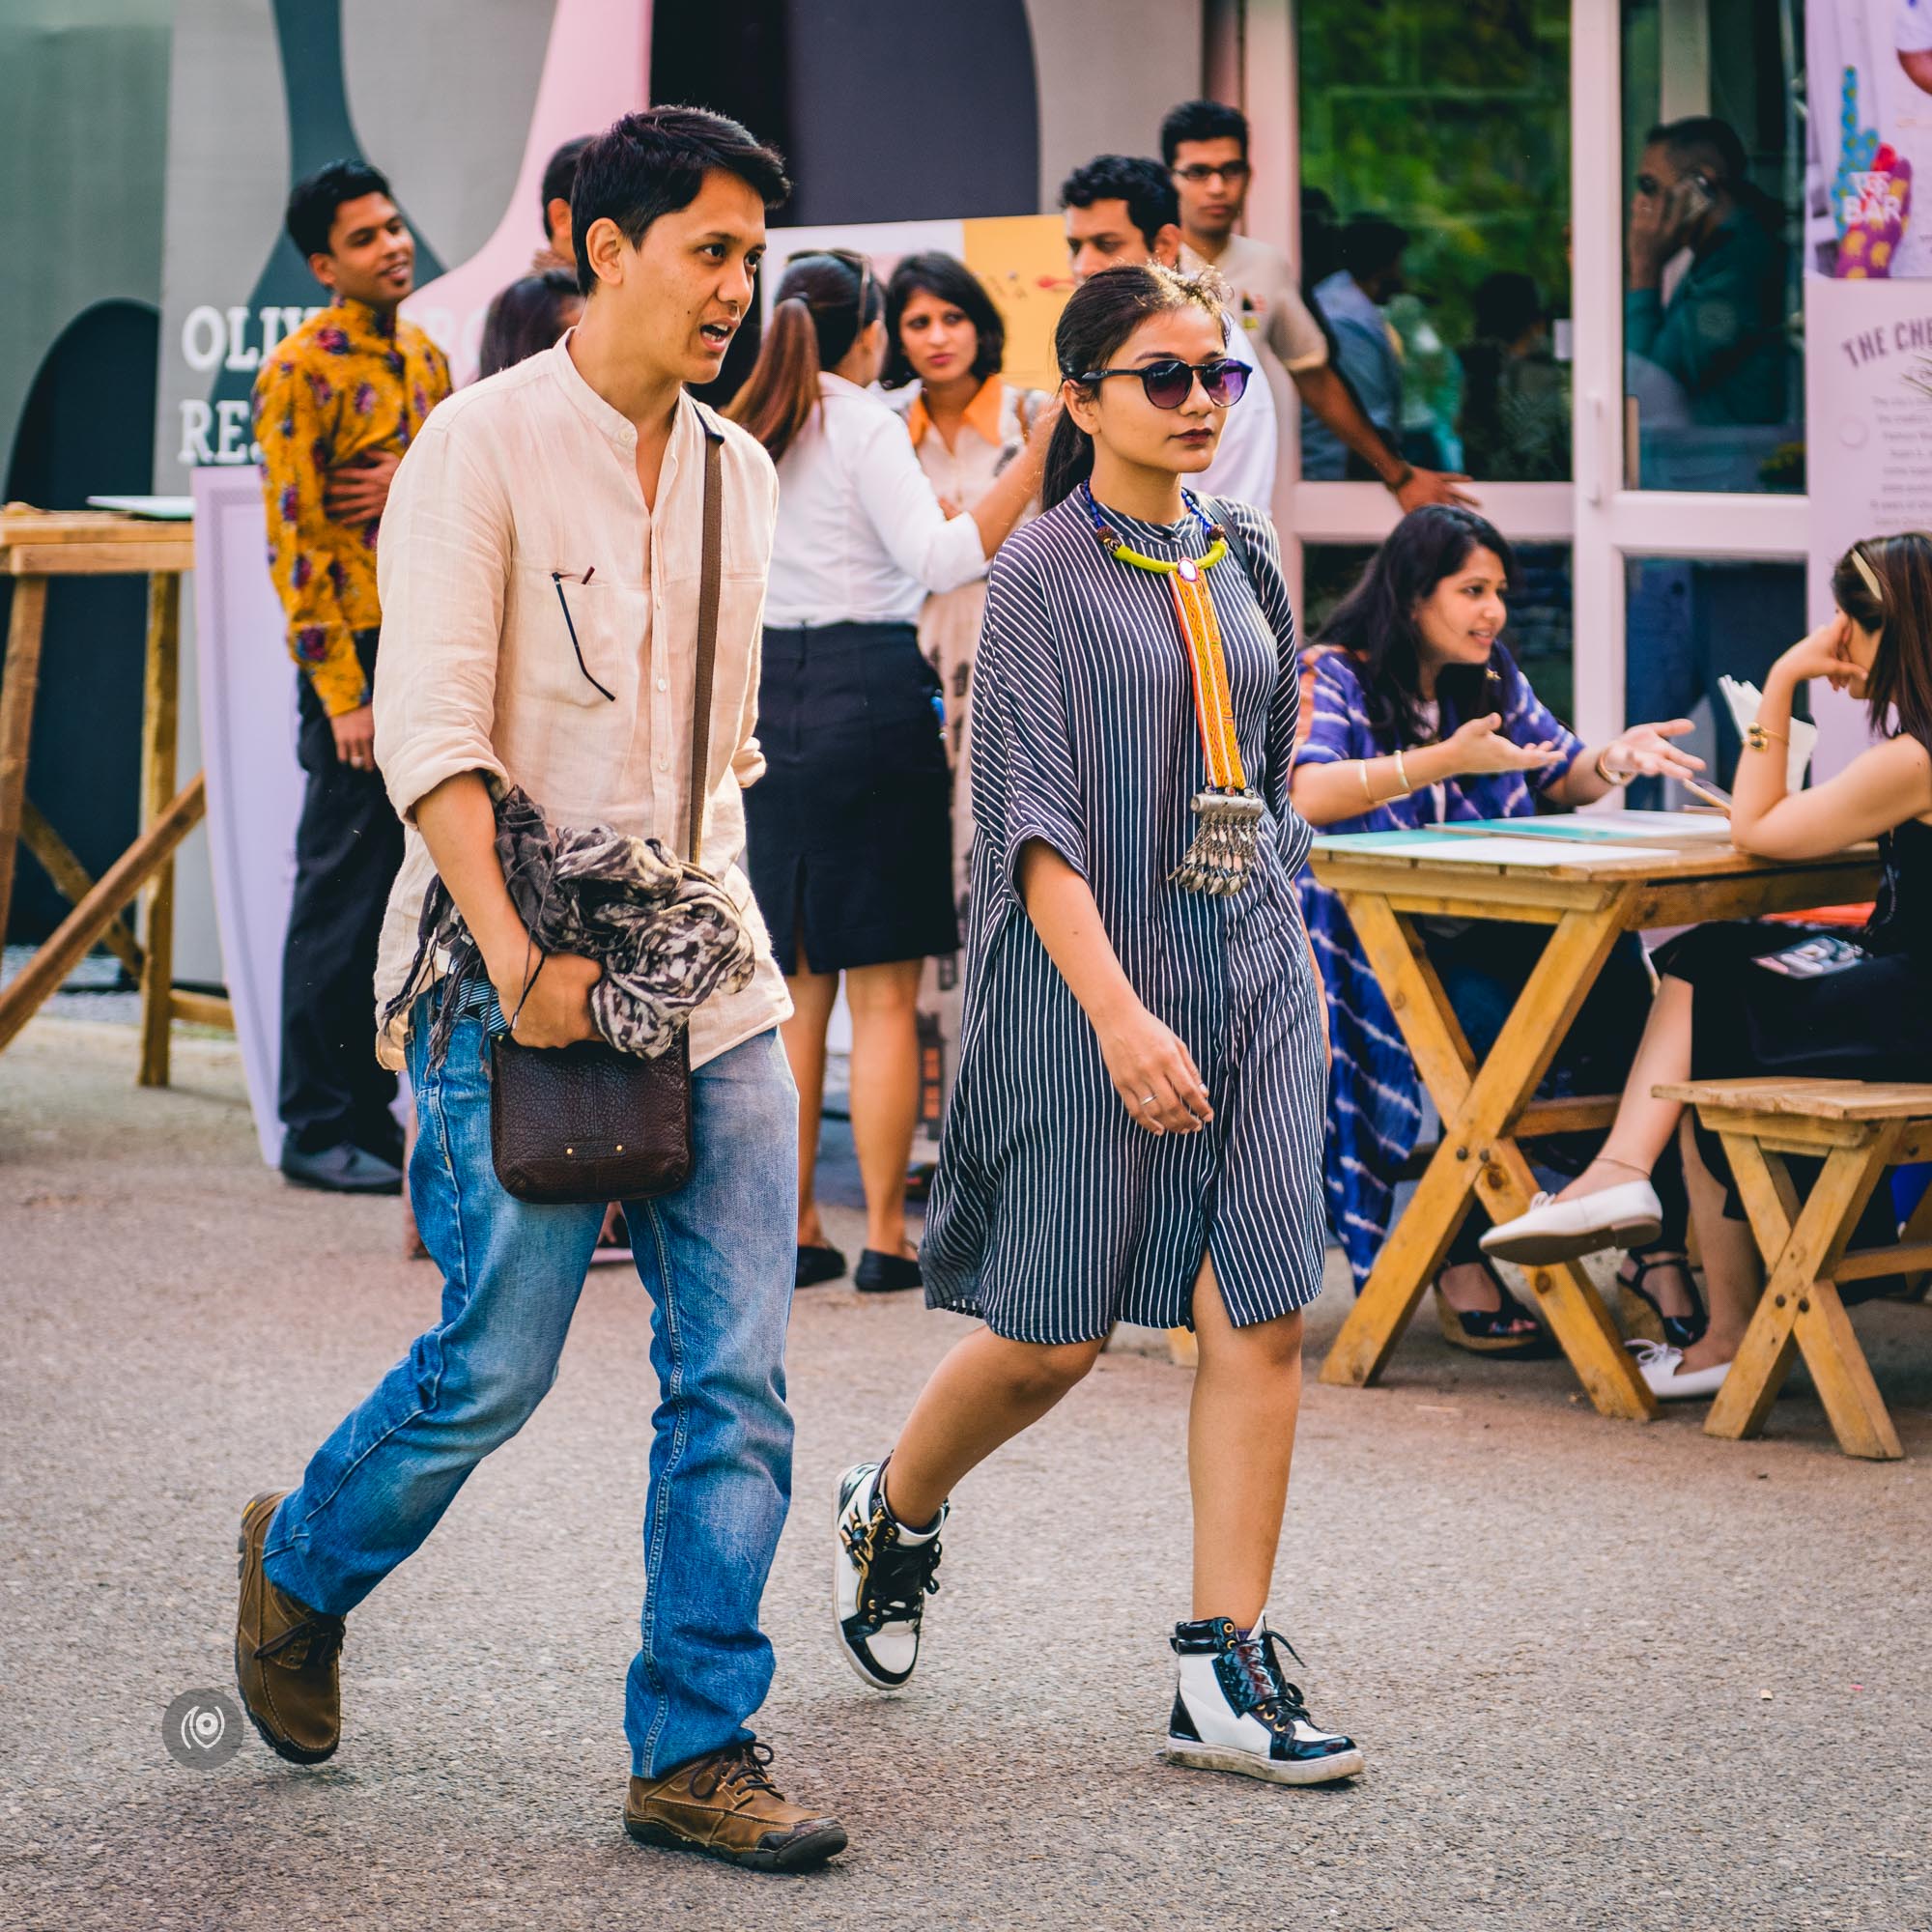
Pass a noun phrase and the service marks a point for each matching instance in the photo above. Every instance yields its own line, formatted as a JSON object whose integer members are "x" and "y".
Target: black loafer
{"x": 817, "y": 1265}
{"x": 885, "y": 1274}
{"x": 343, "y": 1169}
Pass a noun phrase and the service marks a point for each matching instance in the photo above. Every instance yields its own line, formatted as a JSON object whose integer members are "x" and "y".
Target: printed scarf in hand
{"x": 665, "y": 935}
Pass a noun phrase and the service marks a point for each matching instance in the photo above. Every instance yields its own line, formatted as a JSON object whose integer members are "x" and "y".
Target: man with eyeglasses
{"x": 1204, "y": 147}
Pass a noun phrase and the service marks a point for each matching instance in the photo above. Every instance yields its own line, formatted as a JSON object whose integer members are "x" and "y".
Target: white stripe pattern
{"x": 1054, "y": 1214}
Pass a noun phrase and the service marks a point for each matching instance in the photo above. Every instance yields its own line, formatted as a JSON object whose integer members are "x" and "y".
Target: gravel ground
{"x": 1606, "y": 1675}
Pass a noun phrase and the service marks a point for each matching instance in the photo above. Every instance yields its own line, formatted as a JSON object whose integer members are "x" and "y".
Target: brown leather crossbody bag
{"x": 584, "y": 1124}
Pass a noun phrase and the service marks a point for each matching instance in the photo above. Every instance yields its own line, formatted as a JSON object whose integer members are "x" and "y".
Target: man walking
{"x": 1204, "y": 145}
{"x": 335, "y": 406}
{"x": 541, "y": 581}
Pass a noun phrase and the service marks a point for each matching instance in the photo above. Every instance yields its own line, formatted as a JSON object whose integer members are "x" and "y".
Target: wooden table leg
{"x": 160, "y": 707}
{"x": 73, "y": 880}
{"x": 1477, "y": 1150}
{"x": 1799, "y": 1309}
{"x": 17, "y": 687}
{"x": 71, "y": 940}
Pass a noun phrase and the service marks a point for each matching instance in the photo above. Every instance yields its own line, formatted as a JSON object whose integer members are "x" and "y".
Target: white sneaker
{"x": 1625, "y": 1216}
{"x": 881, "y": 1576}
{"x": 1234, "y": 1710}
{"x": 1662, "y": 1370}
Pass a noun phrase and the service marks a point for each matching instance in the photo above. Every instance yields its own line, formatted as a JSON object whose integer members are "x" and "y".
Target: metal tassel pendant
{"x": 1226, "y": 843}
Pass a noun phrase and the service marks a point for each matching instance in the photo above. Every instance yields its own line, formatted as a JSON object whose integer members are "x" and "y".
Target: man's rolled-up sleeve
{"x": 442, "y": 569}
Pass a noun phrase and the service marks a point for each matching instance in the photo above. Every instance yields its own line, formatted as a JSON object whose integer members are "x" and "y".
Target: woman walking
{"x": 1136, "y": 1130}
{"x": 848, "y": 839}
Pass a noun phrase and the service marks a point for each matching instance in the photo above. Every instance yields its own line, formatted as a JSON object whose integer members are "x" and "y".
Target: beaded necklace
{"x": 1227, "y": 840}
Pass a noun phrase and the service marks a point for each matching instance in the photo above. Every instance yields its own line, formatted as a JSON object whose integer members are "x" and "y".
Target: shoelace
{"x": 742, "y": 1768}
{"x": 1275, "y": 1700}
{"x": 899, "y": 1576}
{"x": 326, "y": 1640}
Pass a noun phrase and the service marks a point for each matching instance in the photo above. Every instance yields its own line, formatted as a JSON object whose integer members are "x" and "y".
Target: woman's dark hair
{"x": 1146, "y": 186}
{"x": 313, "y": 200}
{"x": 1375, "y": 622}
{"x": 1900, "y": 610}
{"x": 815, "y": 320}
{"x": 1099, "y": 316}
{"x": 524, "y": 319}
{"x": 948, "y": 279}
{"x": 654, "y": 163}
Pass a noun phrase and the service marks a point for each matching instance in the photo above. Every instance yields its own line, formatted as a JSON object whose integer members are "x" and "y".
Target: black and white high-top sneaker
{"x": 1234, "y": 1710}
{"x": 881, "y": 1574}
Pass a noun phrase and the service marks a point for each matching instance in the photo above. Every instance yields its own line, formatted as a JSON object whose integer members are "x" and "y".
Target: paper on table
{"x": 157, "y": 509}
{"x": 1508, "y": 851}
{"x": 1744, "y": 701}
{"x": 1609, "y": 828}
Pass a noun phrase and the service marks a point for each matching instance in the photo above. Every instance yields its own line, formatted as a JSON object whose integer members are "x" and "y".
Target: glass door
{"x": 1599, "y": 327}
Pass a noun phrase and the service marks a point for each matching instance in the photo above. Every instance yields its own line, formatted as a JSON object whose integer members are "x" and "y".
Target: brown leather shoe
{"x": 285, "y": 1654}
{"x": 726, "y": 1806}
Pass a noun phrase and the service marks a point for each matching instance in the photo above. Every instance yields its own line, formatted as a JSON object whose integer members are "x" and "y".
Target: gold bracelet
{"x": 1362, "y": 766}
{"x": 1608, "y": 777}
{"x": 1401, "y": 771}
{"x": 1758, "y": 739}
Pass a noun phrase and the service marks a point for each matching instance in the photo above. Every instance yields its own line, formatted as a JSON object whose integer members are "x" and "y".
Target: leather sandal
{"x": 1677, "y": 1331}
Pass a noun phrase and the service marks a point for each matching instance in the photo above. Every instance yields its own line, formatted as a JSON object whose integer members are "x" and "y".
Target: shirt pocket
{"x": 575, "y": 642}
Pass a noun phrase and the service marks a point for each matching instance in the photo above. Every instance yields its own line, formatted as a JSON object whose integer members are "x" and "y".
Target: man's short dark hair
{"x": 1371, "y": 243}
{"x": 1703, "y": 141}
{"x": 559, "y": 171}
{"x": 1141, "y": 183}
{"x": 654, "y": 163}
{"x": 313, "y": 202}
{"x": 1202, "y": 121}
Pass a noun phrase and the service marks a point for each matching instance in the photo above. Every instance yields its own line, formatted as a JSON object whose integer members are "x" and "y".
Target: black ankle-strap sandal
{"x": 1679, "y": 1331}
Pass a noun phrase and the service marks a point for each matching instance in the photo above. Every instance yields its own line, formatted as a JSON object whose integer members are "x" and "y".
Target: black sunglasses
{"x": 1170, "y": 382}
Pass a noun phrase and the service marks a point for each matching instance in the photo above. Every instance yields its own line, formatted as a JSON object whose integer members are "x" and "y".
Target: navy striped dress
{"x": 1054, "y": 1214}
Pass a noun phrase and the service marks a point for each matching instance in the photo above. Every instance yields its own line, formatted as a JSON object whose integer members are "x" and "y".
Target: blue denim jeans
{"x": 717, "y": 1259}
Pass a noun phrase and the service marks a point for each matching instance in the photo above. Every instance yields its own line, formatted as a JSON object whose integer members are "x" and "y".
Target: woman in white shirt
{"x": 848, "y": 831}
{"x": 945, "y": 345}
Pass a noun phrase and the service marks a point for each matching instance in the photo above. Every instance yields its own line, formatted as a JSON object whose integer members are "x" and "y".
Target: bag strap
{"x": 711, "y": 576}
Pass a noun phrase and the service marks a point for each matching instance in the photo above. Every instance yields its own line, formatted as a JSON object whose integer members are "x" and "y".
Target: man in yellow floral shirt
{"x": 335, "y": 406}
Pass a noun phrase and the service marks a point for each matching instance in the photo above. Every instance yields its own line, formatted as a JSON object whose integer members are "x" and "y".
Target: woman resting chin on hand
{"x": 1721, "y": 1013}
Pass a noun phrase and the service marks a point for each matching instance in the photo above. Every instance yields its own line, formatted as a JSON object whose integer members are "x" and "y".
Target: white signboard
{"x": 248, "y": 752}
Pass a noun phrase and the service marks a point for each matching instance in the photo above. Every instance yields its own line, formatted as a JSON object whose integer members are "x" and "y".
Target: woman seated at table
{"x": 1414, "y": 714}
{"x": 1719, "y": 1014}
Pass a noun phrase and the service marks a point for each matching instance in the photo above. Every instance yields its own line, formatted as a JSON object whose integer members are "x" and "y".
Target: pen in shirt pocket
{"x": 559, "y": 578}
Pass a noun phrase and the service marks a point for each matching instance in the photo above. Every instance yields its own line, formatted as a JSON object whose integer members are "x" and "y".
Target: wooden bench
{"x": 1857, "y": 1129}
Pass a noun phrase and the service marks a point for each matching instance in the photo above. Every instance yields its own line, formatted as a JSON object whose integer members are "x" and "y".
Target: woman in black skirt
{"x": 1730, "y": 1003}
{"x": 849, "y": 841}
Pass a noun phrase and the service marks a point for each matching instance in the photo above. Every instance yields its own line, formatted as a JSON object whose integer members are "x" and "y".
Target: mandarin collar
{"x": 612, "y": 424}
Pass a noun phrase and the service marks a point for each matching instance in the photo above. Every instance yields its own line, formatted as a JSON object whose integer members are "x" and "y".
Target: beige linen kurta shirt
{"x": 519, "y": 497}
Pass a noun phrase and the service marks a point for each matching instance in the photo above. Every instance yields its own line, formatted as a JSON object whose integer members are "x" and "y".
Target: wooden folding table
{"x": 36, "y": 545}
{"x": 1588, "y": 901}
